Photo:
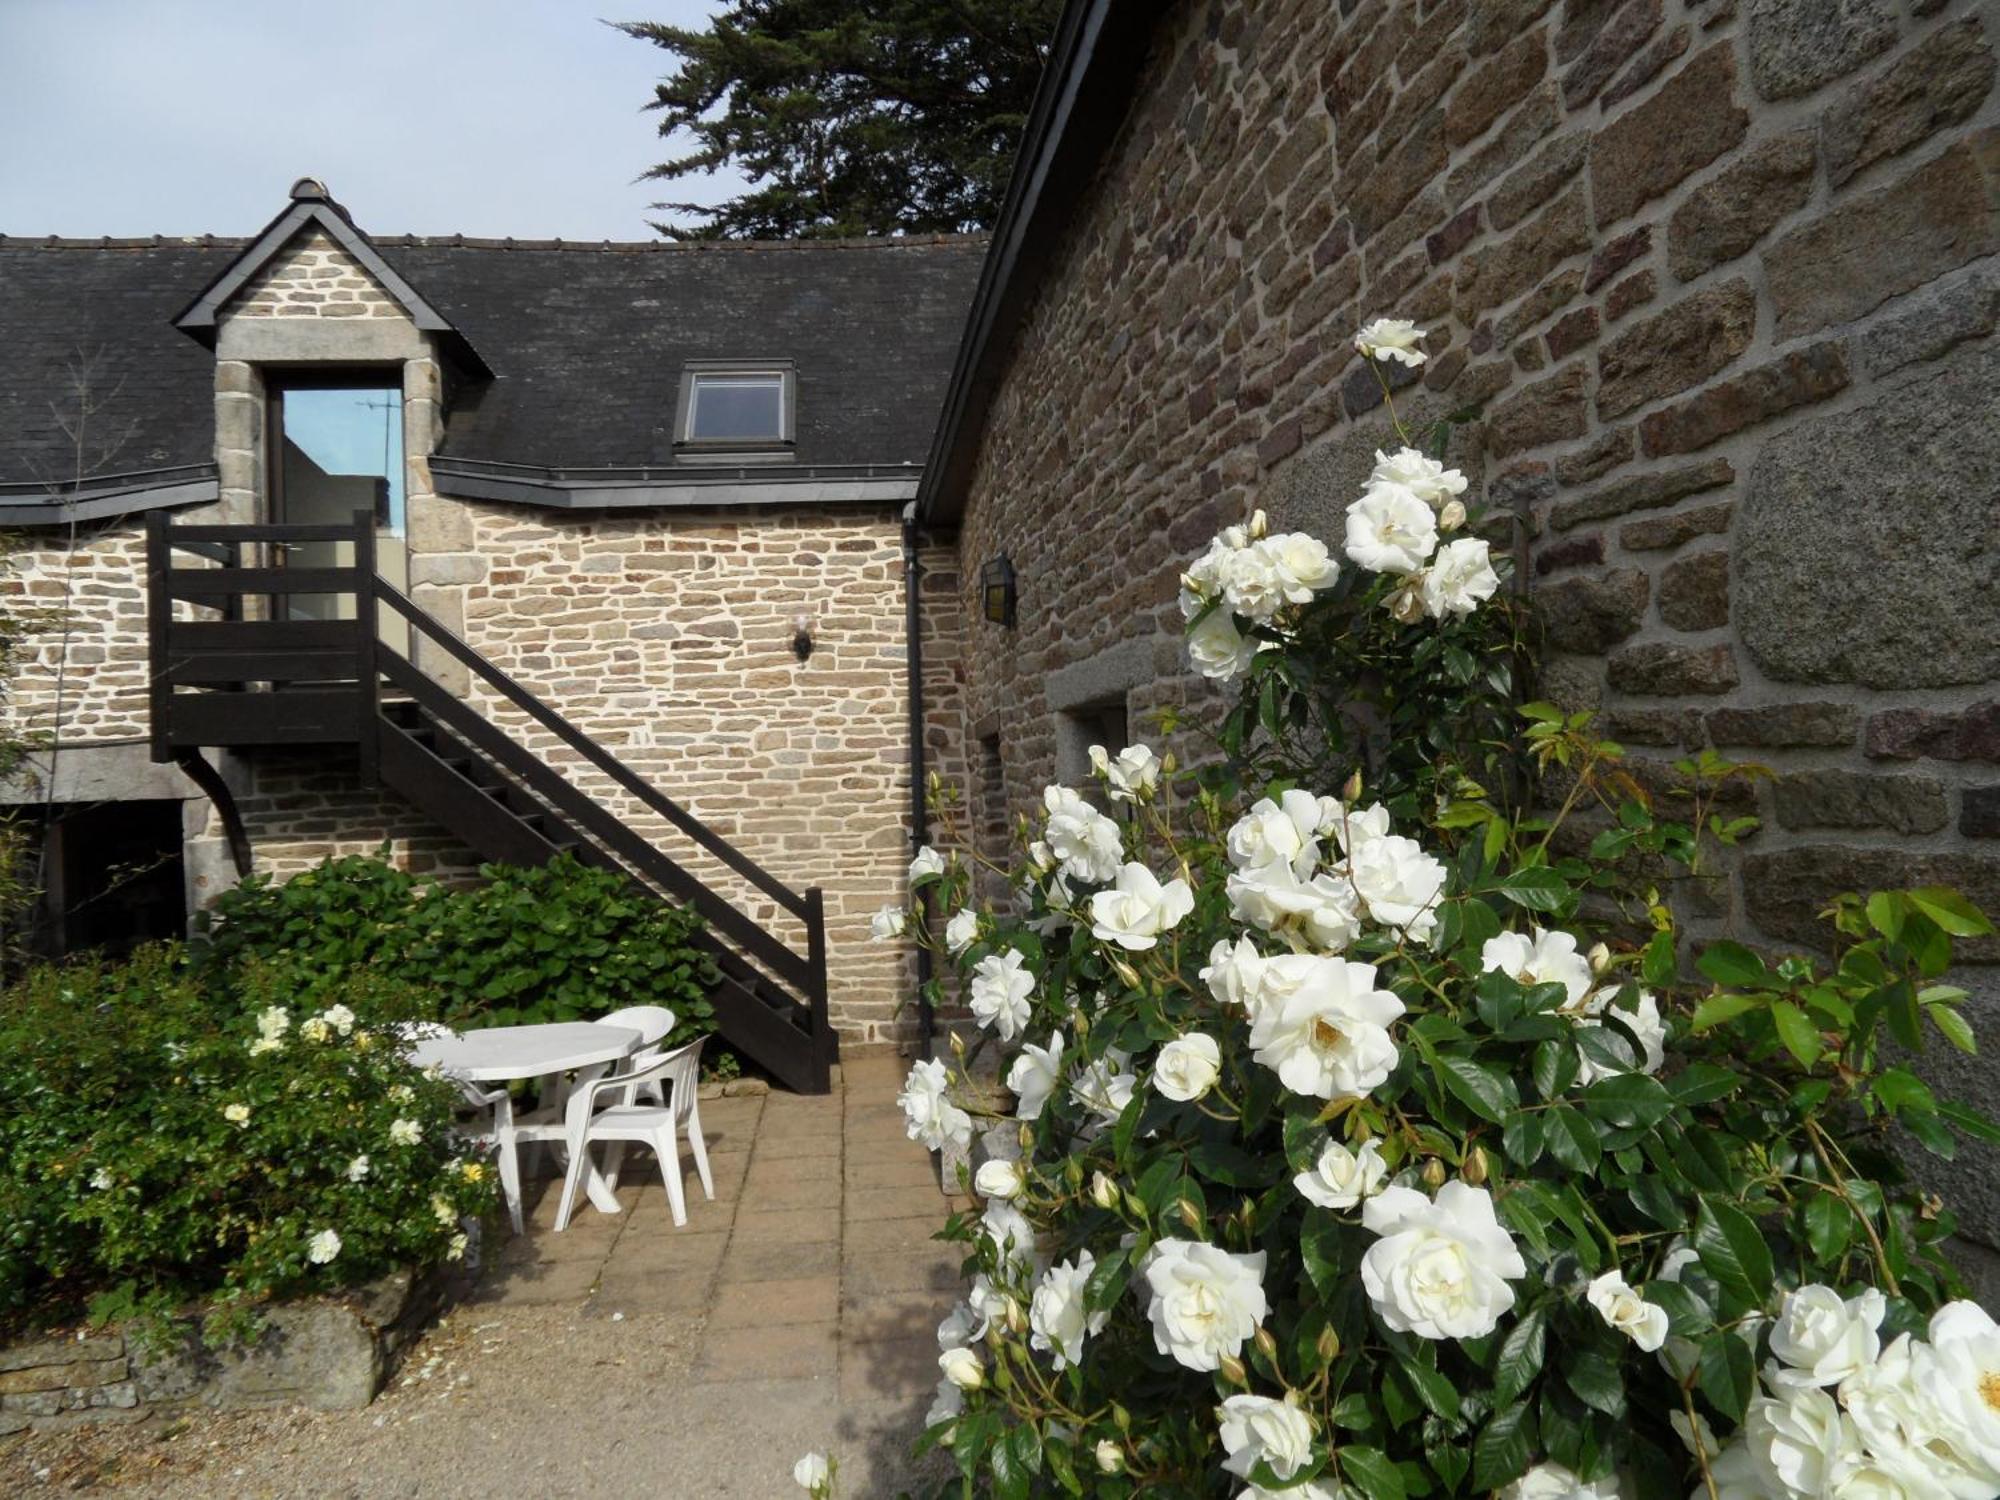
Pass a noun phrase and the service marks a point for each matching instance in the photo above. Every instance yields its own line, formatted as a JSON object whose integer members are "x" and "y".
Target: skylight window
{"x": 735, "y": 408}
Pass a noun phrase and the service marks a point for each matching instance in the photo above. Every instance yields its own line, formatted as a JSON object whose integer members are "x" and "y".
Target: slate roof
{"x": 586, "y": 342}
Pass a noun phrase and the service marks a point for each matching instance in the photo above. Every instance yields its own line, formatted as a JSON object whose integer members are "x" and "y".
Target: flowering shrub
{"x": 1368, "y": 1136}
{"x": 159, "y": 1151}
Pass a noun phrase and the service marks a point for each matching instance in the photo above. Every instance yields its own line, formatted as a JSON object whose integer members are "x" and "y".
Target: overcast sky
{"x": 485, "y": 117}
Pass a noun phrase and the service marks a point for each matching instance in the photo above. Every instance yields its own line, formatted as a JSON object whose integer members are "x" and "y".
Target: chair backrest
{"x": 651, "y": 1021}
{"x": 679, "y": 1069}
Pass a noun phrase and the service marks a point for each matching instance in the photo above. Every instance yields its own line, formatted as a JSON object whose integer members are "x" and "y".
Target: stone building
{"x": 1718, "y": 279}
{"x": 655, "y": 493}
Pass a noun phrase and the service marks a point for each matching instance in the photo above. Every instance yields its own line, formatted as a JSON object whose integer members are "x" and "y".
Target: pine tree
{"x": 895, "y": 116}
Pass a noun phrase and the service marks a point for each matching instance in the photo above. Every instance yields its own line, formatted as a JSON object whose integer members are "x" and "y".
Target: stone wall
{"x": 1718, "y": 278}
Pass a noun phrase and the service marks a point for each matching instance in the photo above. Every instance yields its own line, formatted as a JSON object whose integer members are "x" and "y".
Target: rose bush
{"x": 1372, "y": 1133}
{"x": 161, "y": 1153}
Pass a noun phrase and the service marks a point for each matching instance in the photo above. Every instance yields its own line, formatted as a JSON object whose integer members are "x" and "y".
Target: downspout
{"x": 913, "y": 577}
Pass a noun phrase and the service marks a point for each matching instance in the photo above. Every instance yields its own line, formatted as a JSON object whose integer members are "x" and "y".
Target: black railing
{"x": 257, "y": 677}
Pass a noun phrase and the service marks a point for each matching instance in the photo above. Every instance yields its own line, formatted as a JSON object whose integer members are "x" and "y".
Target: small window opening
{"x": 735, "y": 409}
{"x": 991, "y": 833}
{"x": 1101, "y": 723}
{"x": 112, "y": 878}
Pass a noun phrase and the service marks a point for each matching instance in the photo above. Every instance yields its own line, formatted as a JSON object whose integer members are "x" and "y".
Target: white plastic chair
{"x": 652, "y": 1022}
{"x": 495, "y": 1106}
{"x": 655, "y": 1125}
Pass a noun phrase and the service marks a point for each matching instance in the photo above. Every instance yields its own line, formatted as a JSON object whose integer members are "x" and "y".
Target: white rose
{"x": 1958, "y": 1372}
{"x": 1009, "y": 1232}
{"x": 1390, "y": 530}
{"x": 1899, "y": 1423}
{"x": 1353, "y": 827}
{"x": 998, "y": 994}
{"x": 1205, "y": 577}
{"x": 1187, "y": 1067}
{"x": 1399, "y": 885}
{"x": 1327, "y": 1035}
{"x": 946, "y": 1406}
{"x": 1626, "y": 1311}
{"x": 1138, "y": 909}
{"x": 1034, "y": 1076}
{"x": 1342, "y": 1178}
{"x": 1132, "y": 777}
{"x": 1323, "y": 910}
{"x": 1821, "y": 1339}
{"x": 1391, "y": 338}
{"x": 1796, "y": 1440}
{"x": 812, "y": 1473}
{"x": 1105, "y": 1086}
{"x": 963, "y": 1368}
{"x": 1057, "y": 1318}
{"x": 1426, "y": 478}
{"x": 1086, "y": 843}
{"x": 1234, "y": 972}
{"x": 236, "y": 1114}
{"x": 1219, "y": 650}
{"x": 1205, "y": 1302}
{"x": 1251, "y": 586}
{"x": 314, "y": 1029}
{"x": 888, "y": 923}
{"x": 928, "y": 865}
{"x": 1459, "y": 579}
{"x": 1110, "y": 1457}
{"x": 998, "y": 1178}
{"x": 405, "y": 1133}
{"x": 340, "y": 1018}
{"x": 1539, "y": 957}
{"x": 323, "y": 1247}
{"x": 1441, "y": 1267}
{"x": 1551, "y": 1481}
{"x": 961, "y": 930}
{"x": 357, "y": 1170}
{"x": 1259, "y": 1429}
{"x": 1285, "y": 830}
{"x": 1299, "y": 565}
{"x": 929, "y": 1114}
{"x": 1643, "y": 1020}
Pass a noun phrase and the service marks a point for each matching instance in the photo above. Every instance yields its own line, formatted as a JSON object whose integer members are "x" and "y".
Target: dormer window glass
{"x": 735, "y": 408}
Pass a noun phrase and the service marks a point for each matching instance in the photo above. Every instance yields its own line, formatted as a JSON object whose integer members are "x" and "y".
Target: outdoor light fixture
{"x": 802, "y": 636}
{"x": 996, "y": 588}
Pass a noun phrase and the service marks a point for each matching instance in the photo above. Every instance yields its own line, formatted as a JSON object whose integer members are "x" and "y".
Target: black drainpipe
{"x": 913, "y": 578}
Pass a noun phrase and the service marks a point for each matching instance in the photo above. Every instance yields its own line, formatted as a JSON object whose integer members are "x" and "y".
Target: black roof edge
{"x": 103, "y": 497}
{"x": 1099, "y": 48}
{"x": 198, "y": 319}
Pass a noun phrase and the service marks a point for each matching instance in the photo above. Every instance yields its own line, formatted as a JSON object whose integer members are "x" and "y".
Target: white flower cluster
{"x": 272, "y": 1024}
{"x": 335, "y": 1020}
{"x": 1247, "y": 574}
{"x": 1541, "y": 957}
{"x": 1407, "y": 503}
{"x": 1842, "y": 1417}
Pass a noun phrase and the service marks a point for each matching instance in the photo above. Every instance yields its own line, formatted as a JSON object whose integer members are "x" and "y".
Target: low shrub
{"x": 158, "y": 1150}
{"x": 561, "y": 942}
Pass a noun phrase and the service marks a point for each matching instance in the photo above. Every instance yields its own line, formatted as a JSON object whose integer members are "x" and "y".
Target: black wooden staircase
{"x": 232, "y": 669}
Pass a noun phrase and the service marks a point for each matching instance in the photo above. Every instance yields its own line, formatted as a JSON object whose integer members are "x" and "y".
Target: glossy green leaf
{"x": 1726, "y": 1373}
{"x": 1733, "y": 965}
{"x": 1733, "y": 1251}
{"x": 1951, "y": 911}
{"x": 1485, "y": 1091}
{"x": 1520, "y": 1355}
{"x": 1537, "y": 888}
{"x": 1503, "y": 1448}
{"x": 1800, "y": 1036}
{"x": 1370, "y": 1471}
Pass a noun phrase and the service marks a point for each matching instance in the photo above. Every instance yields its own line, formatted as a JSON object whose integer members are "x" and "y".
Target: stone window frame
{"x": 691, "y": 449}
{"x": 280, "y": 376}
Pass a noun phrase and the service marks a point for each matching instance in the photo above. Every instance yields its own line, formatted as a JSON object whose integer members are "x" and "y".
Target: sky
{"x": 478, "y": 117}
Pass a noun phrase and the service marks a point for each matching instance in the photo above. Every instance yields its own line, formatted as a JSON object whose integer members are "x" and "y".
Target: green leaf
{"x": 1800, "y": 1036}
{"x": 1521, "y": 1353}
{"x": 1957, "y": 1030}
{"x": 1521, "y": 1138}
{"x": 1735, "y": 965}
{"x": 1687, "y": 1316}
{"x": 1886, "y": 910}
{"x": 1433, "y": 1388}
{"x": 1595, "y": 1379}
{"x": 1537, "y": 888}
{"x": 1829, "y": 1225}
{"x": 1501, "y": 1452}
{"x": 1727, "y": 1373}
{"x": 1899, "y": 1089}
{"x": 1733, "y": 1251}
{"x": 1571, "y": 1139}
{"x": 1319, "y": 1248}
{"x": 1951, "y": 911}
{"x": 1635, "y": 1100}
{"x": 1702, "y": 1083}
{"x": 1486, "y": 1092}
{"x": 1718, "y": 1009}
{"x": 1659, "y": 966}
{"x": 1554, "y": 1067}
{"x": 1371, "y": 1470}
{"x": 1971, "y": 1121}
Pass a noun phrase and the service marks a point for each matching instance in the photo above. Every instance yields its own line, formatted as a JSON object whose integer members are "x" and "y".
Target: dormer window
{"x": 729, "y": 408}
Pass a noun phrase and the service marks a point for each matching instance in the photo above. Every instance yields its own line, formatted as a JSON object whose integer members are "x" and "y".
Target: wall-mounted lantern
{"x": 996, "y": 591}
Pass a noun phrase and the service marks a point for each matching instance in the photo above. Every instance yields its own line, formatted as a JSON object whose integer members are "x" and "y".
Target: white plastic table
{"x": 499, "y": 1054}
